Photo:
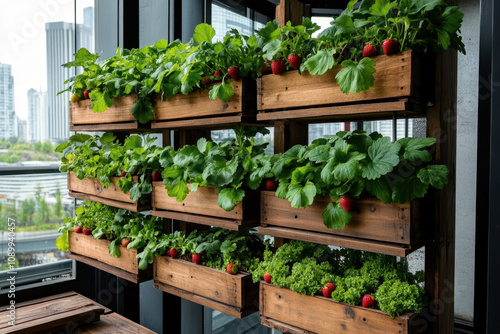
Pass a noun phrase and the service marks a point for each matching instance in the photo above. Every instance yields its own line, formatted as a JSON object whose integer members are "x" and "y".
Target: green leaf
{"x": 132, "y": 142}
{"x": 100, "y": 101}
{"x": 413, "y": 148}
{"x": 320, "y": 62}
{"x": 382, "y": 7}
{"x": 409, "y": 188}
{"x": 79, "y": 137}
{"x": 114, "y": 249}
{"x": 335, "y": 217}
{"x": 382, "y": 157}
{"x": 282, "y": 190}
{"x": 203, "y": 33}
{"x": 435, "y": 175}
{"x": 62, "y": 242}
{"x": 214, "y": 92}
{"x": 228, "y": 197}
{"x": 356, "y": 77}
{"x": 301, "y": 196}
{"x": 107, "y": 138}
{"x": 143, "y": 110}
{"x": 135, "y": 192}
{"x": 222, "y": 91}
{"x": 426, "y": 5}
{"x": 202, "y": 145}
{"x": 380, "y": 189}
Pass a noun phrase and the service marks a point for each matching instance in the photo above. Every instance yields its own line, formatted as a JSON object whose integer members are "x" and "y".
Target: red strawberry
{"x": 196, "y": 258}
{"x": 234, "y": 72}
{"x": 77, "y": 229}
{"x": 265, "y": 70}
{"x": 217, "y": 73}
{"x": 124, "y": 173}
{"x": 86, "y": 231}
{"x": 367, "y": 301}
{"x": 86, "y": 94}
{"x": 328, "y": 289}
{"x": 173, "y": 252}
{"x": 267, "y": 277}
{"x": 125, "y": 242}
{"x": 389, "y": 46}
{"x": 232, "y": 269}
{"x": 346, "y": 203}
{"x": 294, "y": 61}
{"x": 369, "y": 51}
{"x": 156, "y": 176}
{"x": 205, "y": 81}
{"x": 277, "y": 66}
{"x": 103, "y": 236}
{"x": 270, "y": 185}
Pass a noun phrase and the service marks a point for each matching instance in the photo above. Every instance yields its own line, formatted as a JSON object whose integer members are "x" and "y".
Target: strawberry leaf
{"x": 320, "y": 62}
{"x": 380, "y": 189}
{"x": 228, "y": 197}
{"x": 114, "y": 249}
{"x": 142, "y": 110}
{"x": 335, "y": 217}
{"x": 356, "y": 77}
{"x": 100, "y": 101}
{"x": 435, "y": 175}
{"x": 301, "y": 196}
{"x": 381, "y": 159}
{"x": 203, "y": 32}
{"x": 407, "y": 189}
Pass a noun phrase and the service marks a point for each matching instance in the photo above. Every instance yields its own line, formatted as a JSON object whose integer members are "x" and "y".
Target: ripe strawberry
{"x": 232, "y": 269}
{"x": 77, "y": 229}
{"x": 265, "y": 70}
{"x": 369, "y": 51}
{"x": 294, "y": 61}
{"x": 267, "y": 277}
{"x": 205, "y": 81}
{"x": 103, "y": 236}
{"x": 86, "y": 231}
{"x": 124, "y": 173}
{"x": 196, "y": 258}
{"x": 389, "y": 46}
{"x": 271, "y": 185}
{"x": 86, "y": 94}
{"x": 277, "y": 66}
{"x": 367, "y": 301}
{"x": 156, "y": 176}
{"x": 125, "y": 242}
{"x": 346, "y": 203}
{"x": 234, "y": 72}
{"x": 217, "y": 73}
{"x": 328, "y": 289}
{"x": 74, "y": 98}
{"x": 173, "y": 252}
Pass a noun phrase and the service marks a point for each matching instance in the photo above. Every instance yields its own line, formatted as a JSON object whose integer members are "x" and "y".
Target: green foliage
{"x": 353, "y": 163}
{"x": 396, "y": 297}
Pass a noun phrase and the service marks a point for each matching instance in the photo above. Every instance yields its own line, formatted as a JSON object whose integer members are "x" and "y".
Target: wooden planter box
{"x": 290, "y": 312}
{"x": 116, "y": 118}
{"x": 92, "y": 189}
{"x": 235, "y": 295}
{"x": 86, "y": 249}
{"x": 201, "y": 207}
{"x": 394, "y": 229}
{"x": 398, "y": 81}
{"x": 197, "y": 110}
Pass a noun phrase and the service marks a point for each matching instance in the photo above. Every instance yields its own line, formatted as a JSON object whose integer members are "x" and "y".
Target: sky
{"x": 22, "y": 41}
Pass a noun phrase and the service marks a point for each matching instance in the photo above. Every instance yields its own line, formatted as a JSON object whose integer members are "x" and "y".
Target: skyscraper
{"x": 8, "y": 120}
{"x": 61, "y": 44}
{"x": 37, "y": 116}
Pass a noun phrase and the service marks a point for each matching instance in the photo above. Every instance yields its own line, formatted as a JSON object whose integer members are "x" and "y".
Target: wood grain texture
{"x": 86, "y": 245}
{"x": 393, "y": 80}
{"x": 114, "y": 323}
{"x": 80, "y": 113}
{"x": 197, "y": 103}
{"x": 291, "y": 10}
{"x": 129, "y": 127}
{"x": 237, "y": 291}
{"x": 203, "y": 201}
{"x": 94, "y": 187}
{"x": 52, "y": 313}
{"x": 136, "y": 207}
{"x": 371, "y": 219}
{"x": 340, "y": 241}
{"x": 323, "y": 315}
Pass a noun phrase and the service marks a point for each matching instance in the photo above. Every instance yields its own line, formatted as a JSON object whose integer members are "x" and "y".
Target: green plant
{"x": 230, "y": 166}
{"x": 351, "y": 163}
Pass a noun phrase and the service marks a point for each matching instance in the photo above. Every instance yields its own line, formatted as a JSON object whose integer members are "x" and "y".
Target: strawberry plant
{"x": 352, "y": 164}
{"x": 347, "y": 275}
{"x": 231, "y": 167}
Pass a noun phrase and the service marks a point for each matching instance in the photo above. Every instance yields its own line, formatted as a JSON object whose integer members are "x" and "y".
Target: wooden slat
{"x": 197, "y": 104}
{"x": 203, "y": 281}
{"x": 341, "y": 241}
{"x": 80, "y": 113}
{"x": 212, "y": 123}
{"x": 114, "y": 323}
{"x": 393, "y": 79}
{"x": 290, "y": 10}
{"x": 282, "y": 327}
{"x": 52, "y": 314}
{"x": 323, "y": 315}
{"x": 371, "y": 219}
{"x": 230, "y": 224}
{"x": 376, "y": 110}
{"x": 203, "y": 201}
{"x": 95, "y": 188}
{"x": 136, "y": 207}
{"x": 131, "y": 127}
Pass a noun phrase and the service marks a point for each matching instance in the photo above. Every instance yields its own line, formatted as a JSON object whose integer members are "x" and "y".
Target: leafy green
{"x": 356, "y": 77}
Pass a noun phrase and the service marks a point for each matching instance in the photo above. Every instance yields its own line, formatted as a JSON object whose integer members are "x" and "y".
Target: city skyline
{"x": 8, "y": 118}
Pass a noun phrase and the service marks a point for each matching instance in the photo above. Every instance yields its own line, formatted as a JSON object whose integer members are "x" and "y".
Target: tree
{"x": 47, "y": 147}
{"x": 37, "y": 146}
{"x": 42, "y": 214}
{"x": 58, "y": 207}
{"x": 28, "y": 209}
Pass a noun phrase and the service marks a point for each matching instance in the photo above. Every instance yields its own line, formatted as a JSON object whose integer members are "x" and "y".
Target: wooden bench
{"x": 67, "y": 312}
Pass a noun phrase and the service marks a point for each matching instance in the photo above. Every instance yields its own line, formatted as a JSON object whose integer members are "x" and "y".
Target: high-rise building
{"x": 60, "y": 39}
{"x": 22, "y": 129}
{"x": 8, "y": 120}
{"x": 37, "y": 116}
